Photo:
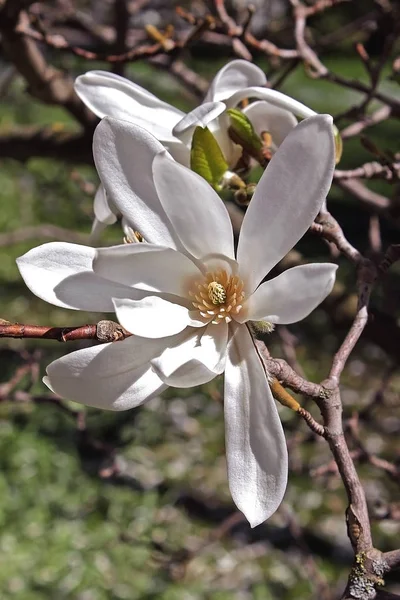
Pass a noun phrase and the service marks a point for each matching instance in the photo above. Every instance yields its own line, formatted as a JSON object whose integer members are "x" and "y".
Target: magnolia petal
{"x": 195, "y": 210}
{"x": 97, "y": 229}
{"x": 197, "y": 360}
{"x": 291, "y": 296}
{"x": 201, "y": 116}
{"x": 196, "y": 320}
{"x": 179, "y": 152}
{"x": 124, "y": 153}
{"x": 255, "y": 444}
{"x": 234, "y": 76}
{"x": 104, "y": 214}
{"x": 147, "y": 267}
{"x": 288, "y": 197}
{"x": 216, "y": 262}
{"x": 231, "y": 151}
{"x": 151, "y": 317}
{"x": 264, "y": 116}
{"x": 102, "y": 209}
{"x": 113, "y": 376}
{"x": 130, "y": 236}
{"x": 62, "y": 274}
{"x": 107, "y": 94}
{"x": 273, "y": 97}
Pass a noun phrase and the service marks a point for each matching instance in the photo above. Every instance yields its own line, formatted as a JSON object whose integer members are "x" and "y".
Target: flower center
{"x": 218, "y": 297}
{"x": 216, "y": 292}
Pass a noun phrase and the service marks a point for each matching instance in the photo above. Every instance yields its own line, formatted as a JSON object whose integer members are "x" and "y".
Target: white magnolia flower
{"x": 107, "y": 94}
{"x": 186, "y": 296}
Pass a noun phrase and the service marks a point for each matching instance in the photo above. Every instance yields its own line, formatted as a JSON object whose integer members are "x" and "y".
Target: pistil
{"x": 216, "y": 292}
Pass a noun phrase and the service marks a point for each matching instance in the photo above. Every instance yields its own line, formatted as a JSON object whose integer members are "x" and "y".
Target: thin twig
{"x": 103, "y": 331}
{"x": 367, "y": 276}
{"x": 371, "y": 170}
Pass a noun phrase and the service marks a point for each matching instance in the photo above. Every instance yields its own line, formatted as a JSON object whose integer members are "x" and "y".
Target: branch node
{"x": 109, "y": 331}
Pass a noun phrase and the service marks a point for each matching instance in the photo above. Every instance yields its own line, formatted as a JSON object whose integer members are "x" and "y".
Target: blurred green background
{"x": 130, "y": 507}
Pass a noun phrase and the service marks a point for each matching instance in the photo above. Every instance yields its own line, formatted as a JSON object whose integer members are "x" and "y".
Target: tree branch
{"x": 23, "y": 144}
{"x": 103, "y": 331}
{"x": 45, "y": 82}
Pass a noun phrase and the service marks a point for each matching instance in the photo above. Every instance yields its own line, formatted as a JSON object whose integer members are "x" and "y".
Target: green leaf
{"x": 244, "y": 130}
{"x": 206, "y": 157}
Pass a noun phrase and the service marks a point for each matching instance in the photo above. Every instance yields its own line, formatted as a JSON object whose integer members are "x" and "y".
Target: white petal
{"x": 123, "y": 154}
{"x": 216, "y": 262}
{"x": 151, "y": 317}
{"x": 255, "y": 444}
{"x": 129, "y": 234}
{"x": 104, "y": 214}
{"x": 268, "y": 117}
{"x": 236, "y": 75}
{"x": 195, "y": 210}
{"x": 179, "y": 152}
{"x": 102, "y": 210}
{"x": 291, "y": 296}
{"x": 201, "y": 116}
{"x": 97, "y": 229}
{"x": 114, "y": 376}
{"x": 107, "y": 94}
{"x": 62, "y": 274}
{"x": 231, "y": 151}
{"x": 197, "y": 360}
{"x": 147, "y": 267}
{"x": 288, "y": 197}
{"x": 273, "y": 97}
